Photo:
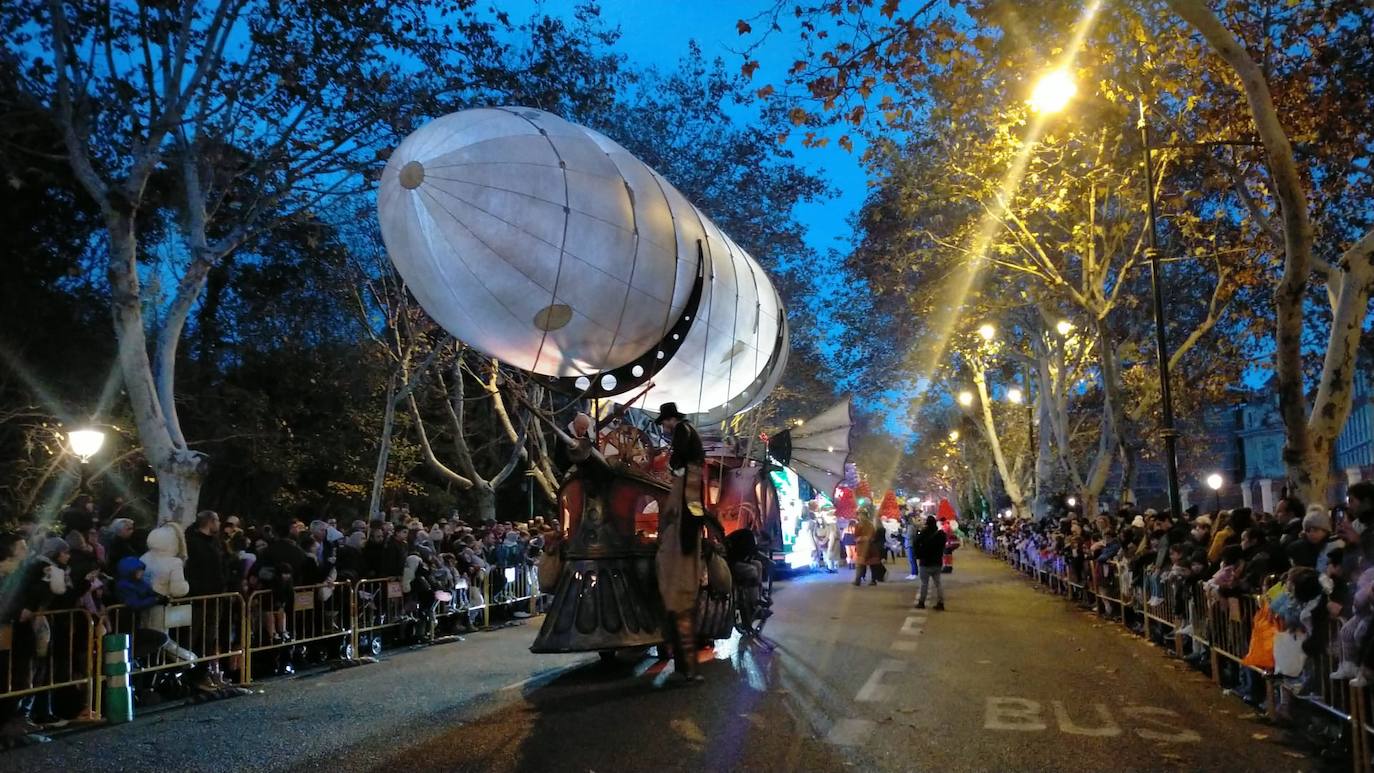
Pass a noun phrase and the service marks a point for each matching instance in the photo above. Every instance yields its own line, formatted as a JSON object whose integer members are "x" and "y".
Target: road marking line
{"x": 874, "y": 689}
{"x": 850, "y": 732}
{"x": 912, "y": 625}
{"x": 546, "y": 675}
{"x": 904, "y": 645}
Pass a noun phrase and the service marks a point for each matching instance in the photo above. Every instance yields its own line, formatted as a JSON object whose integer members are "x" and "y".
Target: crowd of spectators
{"x": 92, "y": 561}
{"x": 1312, "y": 567}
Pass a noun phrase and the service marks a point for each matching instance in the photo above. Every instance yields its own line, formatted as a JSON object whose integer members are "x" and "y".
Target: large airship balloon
{"x": 548, "y": 246}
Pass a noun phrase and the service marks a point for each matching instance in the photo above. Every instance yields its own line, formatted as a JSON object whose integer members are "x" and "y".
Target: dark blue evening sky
{"x": 657, "y": 33}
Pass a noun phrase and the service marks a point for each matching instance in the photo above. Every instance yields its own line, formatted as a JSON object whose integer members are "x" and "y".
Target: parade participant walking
{"x": 834, "y": 550}
{"x": 912, "y": 530}
{"x": 679, "y": 564}
{"x": 930, "y": 557}
{"x": 864, "y": 553}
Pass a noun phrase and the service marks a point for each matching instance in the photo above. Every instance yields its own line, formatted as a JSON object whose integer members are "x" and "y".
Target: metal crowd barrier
{"x": 520, "y": 586}
{"x": 211, "y": 627}
{"x": 61, "y": 649}
{"x": 53, "y": 651}
{"x": 311, "y": 614}
{"x": 379, "y": 605}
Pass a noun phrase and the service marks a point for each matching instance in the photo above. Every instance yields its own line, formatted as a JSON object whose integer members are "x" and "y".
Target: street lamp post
{"x": 1166, "y": 398}
{"x": 1052, "y": 94}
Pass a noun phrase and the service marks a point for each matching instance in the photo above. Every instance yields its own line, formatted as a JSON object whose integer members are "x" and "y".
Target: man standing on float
{"x": 679, "y": 564}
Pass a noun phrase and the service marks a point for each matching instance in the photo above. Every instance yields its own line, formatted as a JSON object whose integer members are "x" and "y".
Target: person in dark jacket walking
{"x": 930, "y": 559}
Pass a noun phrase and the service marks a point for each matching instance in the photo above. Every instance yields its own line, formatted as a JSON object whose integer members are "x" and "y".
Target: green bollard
{"x": 119, "y": 695}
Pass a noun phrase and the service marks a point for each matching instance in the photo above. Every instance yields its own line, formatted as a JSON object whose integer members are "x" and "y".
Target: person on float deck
{"x": 679, "y": 564}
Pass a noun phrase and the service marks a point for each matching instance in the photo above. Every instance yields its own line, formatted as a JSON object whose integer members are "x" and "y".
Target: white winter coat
{"x": 165, "y": 560}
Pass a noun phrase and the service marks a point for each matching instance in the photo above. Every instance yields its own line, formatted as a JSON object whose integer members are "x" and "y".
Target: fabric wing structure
{"x": 819, "y": 448}
{"x": 550, "y": 247}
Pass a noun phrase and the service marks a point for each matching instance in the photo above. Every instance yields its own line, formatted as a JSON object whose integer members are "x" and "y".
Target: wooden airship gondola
{"x": 553, "y": 249}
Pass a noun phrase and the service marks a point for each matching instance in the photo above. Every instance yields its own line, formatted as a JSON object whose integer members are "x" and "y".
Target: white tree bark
{"x": 1010, "y": 482}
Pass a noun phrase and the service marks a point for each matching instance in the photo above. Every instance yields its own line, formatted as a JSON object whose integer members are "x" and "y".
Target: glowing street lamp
{"x": 1072, "y": 501}
{"x": 953, "y": 435}
{"x": 1214, "y": 482}
{"x": 1053, "y": 92}
{"x": 85, "y": 443}
{"x": 966, "y": 398}
{"x": 987, "y": 331}
{"x": 1015, "y": 396}
{"x": 1064, "y": 327}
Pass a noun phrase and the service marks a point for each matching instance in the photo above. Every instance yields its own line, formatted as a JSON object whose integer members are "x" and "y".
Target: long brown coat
{"x": 679, "y": 576}
{"x": 863, "y": 543}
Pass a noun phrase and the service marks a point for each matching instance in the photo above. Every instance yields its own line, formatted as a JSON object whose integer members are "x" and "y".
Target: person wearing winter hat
{"x": 1317, "y": 518}
{"x": 1138, "y": 522}
{"x": 1312, "y": 550}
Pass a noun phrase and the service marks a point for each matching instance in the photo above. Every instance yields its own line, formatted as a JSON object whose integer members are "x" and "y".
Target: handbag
{"x": 1288, "y": 655}
{"x": 1261, "y": 652}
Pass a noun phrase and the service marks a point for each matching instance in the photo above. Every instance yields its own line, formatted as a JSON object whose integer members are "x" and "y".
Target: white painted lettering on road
{"x": 874, "y": 689}
{"x": 1106, "y": 726}
{"x": 913, "y": 624}
{"x": 1149, "y": 722}
{"x": 904, "y": 645}
{"x": 1156, "y": 717}
{"x": 1012, "y": 714}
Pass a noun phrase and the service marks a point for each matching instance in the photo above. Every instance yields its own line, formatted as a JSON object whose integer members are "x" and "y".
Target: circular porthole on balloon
{"x": 637, "y": 371}
{"x": 583, "y": 383}
{"x": 608, "y": 382}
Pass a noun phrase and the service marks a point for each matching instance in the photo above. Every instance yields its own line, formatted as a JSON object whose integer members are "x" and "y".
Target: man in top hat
{"x": 679, "y": 563}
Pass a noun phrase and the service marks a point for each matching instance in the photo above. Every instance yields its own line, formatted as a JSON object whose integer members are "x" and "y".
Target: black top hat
{"x": 668, "y": 411}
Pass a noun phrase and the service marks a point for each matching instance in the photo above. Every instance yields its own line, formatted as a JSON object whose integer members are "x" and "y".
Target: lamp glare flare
{"x": 1053, "y": 92}
{"x": 966, "y": 398}
{"x": 1014, "y": 395}
{"x": 1214, "y": 481}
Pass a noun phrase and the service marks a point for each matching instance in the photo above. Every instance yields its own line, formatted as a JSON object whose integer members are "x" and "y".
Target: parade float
{"x": 550, "y": 247}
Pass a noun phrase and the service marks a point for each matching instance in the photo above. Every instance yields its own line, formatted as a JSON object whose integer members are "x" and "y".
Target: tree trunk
{"x": 1335, "y": 388}
{"x": 1009, "y": 481}
{"x": 374, "y": 506}
{"x": 1129, "y": 469}
{"x": 1044, "y": 456}
{"x": 485, "y": 495}
{"x": 179, "y": 470}
{"x": 179, "y": 478}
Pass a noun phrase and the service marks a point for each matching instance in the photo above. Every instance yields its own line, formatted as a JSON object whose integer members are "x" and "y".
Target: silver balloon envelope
{"x": 552, "y": 248}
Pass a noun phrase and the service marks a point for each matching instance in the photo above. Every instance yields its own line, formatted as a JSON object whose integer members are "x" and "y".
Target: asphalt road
{"x": 1009, "y": 678}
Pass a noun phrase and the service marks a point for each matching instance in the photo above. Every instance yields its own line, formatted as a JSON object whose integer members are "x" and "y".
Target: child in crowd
{"x": 1354, "y": 633}
{"x": 136, "y": 593}
{"x": 1231, "y": 571}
